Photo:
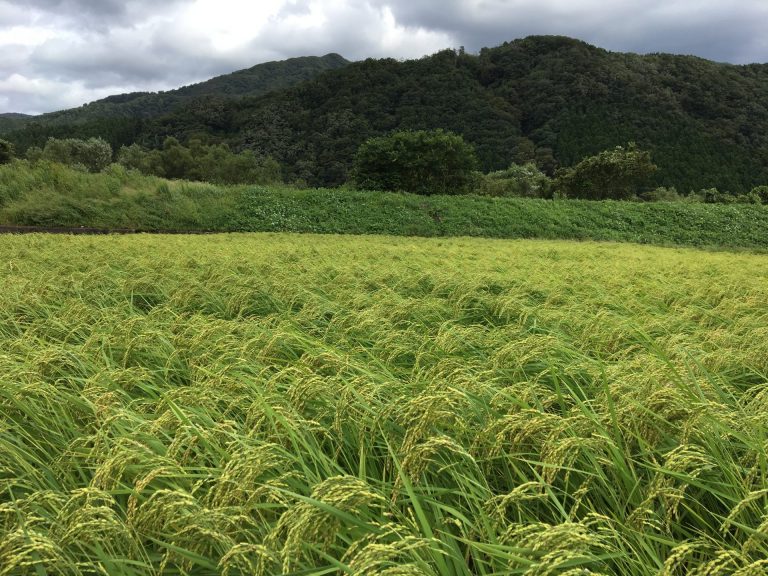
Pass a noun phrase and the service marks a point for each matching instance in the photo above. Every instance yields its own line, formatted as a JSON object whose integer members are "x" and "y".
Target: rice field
{"x": 281, "y": 404}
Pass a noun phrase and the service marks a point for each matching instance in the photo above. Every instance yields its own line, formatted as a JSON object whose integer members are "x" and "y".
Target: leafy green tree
{"x": 34, "y": 153}
{"x": 6, "y": 152}
{"x": 137, "y": 157}
{"x": 615, "y": 174}
{"x": 92, "y": 155}
{"x": 419, "y": 161}
{"x": 95, "y": 153}
{"x": 175, "y": 159}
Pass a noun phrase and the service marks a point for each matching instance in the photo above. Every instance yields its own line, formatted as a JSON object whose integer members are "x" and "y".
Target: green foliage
{"x": 548, "y": 100}
{"x": 761, "y": 192}
{"x": 92, "y": 155}
{"x": 524, "y": 181}
{"x": 136, "y": 157}
{"x": 713, "y": 196}
{"x": 208, "y": 163}
{"x": 175, "y": 160}
{"x": 34, "y": 153}
{"x": 615, "y": 174}
{"x": 417, "y": 161}
{"x": 7, "y": 152}
{"x": 211, "y": 94}
{"x": 50, "y": 194}
{"x": 661, "y": 194}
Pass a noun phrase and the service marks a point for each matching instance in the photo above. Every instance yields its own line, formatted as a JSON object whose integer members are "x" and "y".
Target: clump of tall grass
{"x": 273, "y": 404}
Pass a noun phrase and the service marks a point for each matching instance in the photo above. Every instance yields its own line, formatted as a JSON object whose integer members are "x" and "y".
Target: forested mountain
{"x": 549, "y": 99}
{"x": 255, "y": 81}
{"x": 11, "y": 121}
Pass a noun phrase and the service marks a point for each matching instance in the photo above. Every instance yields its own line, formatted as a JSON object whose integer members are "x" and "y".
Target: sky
{"x": 57, "y": 54}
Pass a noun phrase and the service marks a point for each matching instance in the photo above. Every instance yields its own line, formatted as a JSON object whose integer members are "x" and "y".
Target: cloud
{"x": 355, "y": 29}
{"x": 72, "y": 51}
{"x": 97, "y": 14}
{"x": 708, "y": 28}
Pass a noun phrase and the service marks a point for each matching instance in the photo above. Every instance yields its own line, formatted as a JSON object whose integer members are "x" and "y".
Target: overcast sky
{"x": 57, "y": 54}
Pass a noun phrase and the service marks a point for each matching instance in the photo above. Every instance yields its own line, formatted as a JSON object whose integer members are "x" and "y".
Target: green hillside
{"x": 255, "y": 81}
{"x": 12, "y": 121}
{"x": 549, "y": 99}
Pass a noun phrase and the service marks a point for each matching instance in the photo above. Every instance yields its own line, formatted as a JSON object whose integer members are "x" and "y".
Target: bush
{"x": 714, "y": 196}
{"x": 34, "y": 153}
{"x": 610, "y": 175}
{"x": 519, "y": 180}
{"x": 92, "y": 155}
{"x": 215, "y": 163}
{"x": 6, "y": 152}
{"x": 761, "y": 192}
{"x": 661, "y": 194}
{"x": 422, "y": 162}
{"x": 135, "y": 157}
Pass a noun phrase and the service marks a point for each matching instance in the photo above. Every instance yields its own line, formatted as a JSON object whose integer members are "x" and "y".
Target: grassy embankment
{"x": 275, "y": 404}
{"x": 51, "y": 195}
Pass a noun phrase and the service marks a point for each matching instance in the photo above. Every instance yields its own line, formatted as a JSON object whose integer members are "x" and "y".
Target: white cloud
{"x": 89, "y": 48}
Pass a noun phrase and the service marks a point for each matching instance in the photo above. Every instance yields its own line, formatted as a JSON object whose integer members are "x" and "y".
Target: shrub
{"x": 661, "y": 194}
{"x": 610, "y": 175}
{"x": 34, "y": 153}
{"x": 6, "y": 152}
{"x": 92, "y": 155}
{"x": 521, "y": 180}
{"x": 714, "y": 196}
{"x": 761, "y": 192}
{"x": 422, "y": 162}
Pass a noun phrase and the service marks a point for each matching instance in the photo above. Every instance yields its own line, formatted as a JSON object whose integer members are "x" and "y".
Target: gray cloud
{"x": 98, "y": 14}
{"x": 61, "y": 53}
{"x": 710, "y": 28}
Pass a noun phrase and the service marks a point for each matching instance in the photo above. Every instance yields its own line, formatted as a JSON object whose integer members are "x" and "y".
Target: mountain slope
{"x": 553, "y": 100}
{"x": 12, "y": 121}
{"x": 255, "y": 81}
{"x": 549, "y": 99}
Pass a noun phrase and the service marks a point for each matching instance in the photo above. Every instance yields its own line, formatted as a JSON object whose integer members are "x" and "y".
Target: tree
{"x": 93, "y": 154}
{"x": 418, "y": 161}
{"x": 612, "y": 174}
{"x": 175, "y": 159}
{"x": 6, "y": 152}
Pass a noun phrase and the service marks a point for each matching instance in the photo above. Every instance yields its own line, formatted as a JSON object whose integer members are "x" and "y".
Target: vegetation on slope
{"x": 120, "y": 118}
{"x": 49, "y": 194}
{"x": 551, "y": 100}
{"x": 273, "y": 404}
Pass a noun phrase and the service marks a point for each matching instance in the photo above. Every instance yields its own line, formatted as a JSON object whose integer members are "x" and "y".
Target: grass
{"x": 53, "y": 195}
{"x": 282, "y": 404}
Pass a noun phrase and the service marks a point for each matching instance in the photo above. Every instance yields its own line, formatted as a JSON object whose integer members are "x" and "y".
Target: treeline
{"x": 550, "y": 101}
{"x": 214, "y": 163}
{"x": 437, "y": 162}
{"x": 417, "y": 161}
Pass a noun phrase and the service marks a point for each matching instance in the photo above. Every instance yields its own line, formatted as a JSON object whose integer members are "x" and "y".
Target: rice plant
{"x": 283, "y": 404}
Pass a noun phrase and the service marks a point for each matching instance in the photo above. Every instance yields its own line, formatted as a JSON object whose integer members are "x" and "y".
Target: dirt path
{"x": 92, "y": 231}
